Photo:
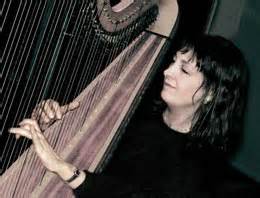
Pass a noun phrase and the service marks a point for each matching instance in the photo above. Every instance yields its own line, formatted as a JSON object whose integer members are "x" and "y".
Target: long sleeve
{"x": 147, "y": 163}
{"x": 102, "y": 185}
{"x": 132, "y": 167}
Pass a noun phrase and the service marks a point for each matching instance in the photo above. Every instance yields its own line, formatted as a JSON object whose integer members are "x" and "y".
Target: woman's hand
{"x": 48, "y": 111}
{"x": 29, "y": 128}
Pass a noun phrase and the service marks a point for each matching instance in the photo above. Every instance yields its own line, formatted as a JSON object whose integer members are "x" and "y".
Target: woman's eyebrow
{"x": 188, "y": 67}
{"x": 185, "y": 62}
{"x": 189, "y": 60}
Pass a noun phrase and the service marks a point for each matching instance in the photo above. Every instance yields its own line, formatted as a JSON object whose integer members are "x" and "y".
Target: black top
{"x": 151, "y": 160}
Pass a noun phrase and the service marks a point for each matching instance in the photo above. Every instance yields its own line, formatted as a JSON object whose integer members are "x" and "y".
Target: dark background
{"x": 238, "y": 20}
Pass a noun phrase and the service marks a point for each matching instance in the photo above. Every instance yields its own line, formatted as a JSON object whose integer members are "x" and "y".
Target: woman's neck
{"x": 179, "y": 119}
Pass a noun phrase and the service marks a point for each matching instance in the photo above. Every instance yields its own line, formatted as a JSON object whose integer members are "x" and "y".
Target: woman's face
{"x": 181, "y": 81}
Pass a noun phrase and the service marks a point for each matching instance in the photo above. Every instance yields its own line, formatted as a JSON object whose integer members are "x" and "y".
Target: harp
{"x": 101, "y": 53}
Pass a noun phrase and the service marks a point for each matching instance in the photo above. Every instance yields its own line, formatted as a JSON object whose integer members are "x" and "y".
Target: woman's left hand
{"x": 29, "y": 128}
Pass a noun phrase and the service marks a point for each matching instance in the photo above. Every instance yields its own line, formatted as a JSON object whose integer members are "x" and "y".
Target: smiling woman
{"x": 182, "y": 90}
{"x": 202, "y": 90}
{"x": 207, "y": 79}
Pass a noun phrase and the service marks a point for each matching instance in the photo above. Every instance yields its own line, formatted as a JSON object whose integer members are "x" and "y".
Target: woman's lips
{"x": 169, "y": 85}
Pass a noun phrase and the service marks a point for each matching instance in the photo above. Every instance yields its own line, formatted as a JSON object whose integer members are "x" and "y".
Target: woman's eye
{"x": 184, "y": 71}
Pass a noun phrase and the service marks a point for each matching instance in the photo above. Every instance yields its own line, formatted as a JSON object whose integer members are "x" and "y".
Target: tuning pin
{"x": 108, "y": 16}
{"x": 67, "y": 34}
{"x": 105, "y": 2}
{"x": 115, "y": 22}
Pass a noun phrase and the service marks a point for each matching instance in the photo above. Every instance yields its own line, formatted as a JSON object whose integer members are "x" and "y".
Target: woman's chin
{"x": 166, "y": 97}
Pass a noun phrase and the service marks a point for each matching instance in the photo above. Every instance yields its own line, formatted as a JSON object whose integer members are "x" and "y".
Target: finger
{"x": 36, "y": 142}
{"x": 30, "y": 122}
{"x": 25, "y": 126}
{"x": 36, "y": 112}
{"x": 73, "y": 105}
{"x": 36, "y": 135}
{"x": 21, "y": 132}
{"x": 57, "y": 109}
{"x": 40, "y": 142}
{"x": 47, "y": 107}
{"x": 44, "y": 151}
{"x": 34, "y": 115}
{"x": 44, "y": 118}
{"x": 69, "y": 107}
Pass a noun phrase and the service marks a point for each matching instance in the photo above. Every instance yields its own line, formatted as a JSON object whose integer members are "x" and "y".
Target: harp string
{"x": 25, "y": 141}
{"x": 45, "y": 85}
{"x": 6, "y": 148}
{"x": 88, "y": 62}
{"x": 10, "y": 84}
{"x": 40, "y": 93}
{"x": 113, "y": 54}
{"x": 128, "y": 53}
{"x": 17, "y": 114}
{"x": 23, "y": 116}
{"x": 75, "y": 35}
{"x": 67, "y": 62}
{"x": 122, "y": 62}
{"x": 83, "y": 49}
{"x": 61, "y": 74}
{"x": 102, "y": 83}
{"x": 23, "y": 105}
{"x": 75, "y": 68}
{"x": 46, "y": 59}
{"x": 114, "y": 74}
{"x": 90, "y": 73}
{"x": 2, "y": 70}
{"x": 55, "y": 136}
{"x": 12, "y": 43}
{"x": 86, "y": 75}
{"x": 26, "y": 158}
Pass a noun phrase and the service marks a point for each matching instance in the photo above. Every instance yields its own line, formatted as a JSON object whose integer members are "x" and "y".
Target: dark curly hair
{"x": 225, "y": 79}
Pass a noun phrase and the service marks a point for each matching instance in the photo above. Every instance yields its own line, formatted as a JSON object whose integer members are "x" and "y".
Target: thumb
{"x": 73, "y": 105}
{"x": 69, "y": 107}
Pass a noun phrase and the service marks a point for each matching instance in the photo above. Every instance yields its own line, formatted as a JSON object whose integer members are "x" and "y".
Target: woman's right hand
{"x": 29, "y": 128}
{"x": 48, "y": 111}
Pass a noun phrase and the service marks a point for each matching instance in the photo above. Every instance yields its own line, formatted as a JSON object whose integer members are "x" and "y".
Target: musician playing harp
{"x": 169, "y": 155}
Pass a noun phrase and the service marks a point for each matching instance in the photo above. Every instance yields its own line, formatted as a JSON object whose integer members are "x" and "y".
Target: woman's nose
{"x": 171, "y": 70}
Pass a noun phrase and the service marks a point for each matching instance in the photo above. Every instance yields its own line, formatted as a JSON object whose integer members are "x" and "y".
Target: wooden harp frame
{"x": 113, "y": 110}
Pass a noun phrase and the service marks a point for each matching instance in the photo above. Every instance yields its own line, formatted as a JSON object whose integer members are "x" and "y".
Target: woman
{"x": 167, "y": 156}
